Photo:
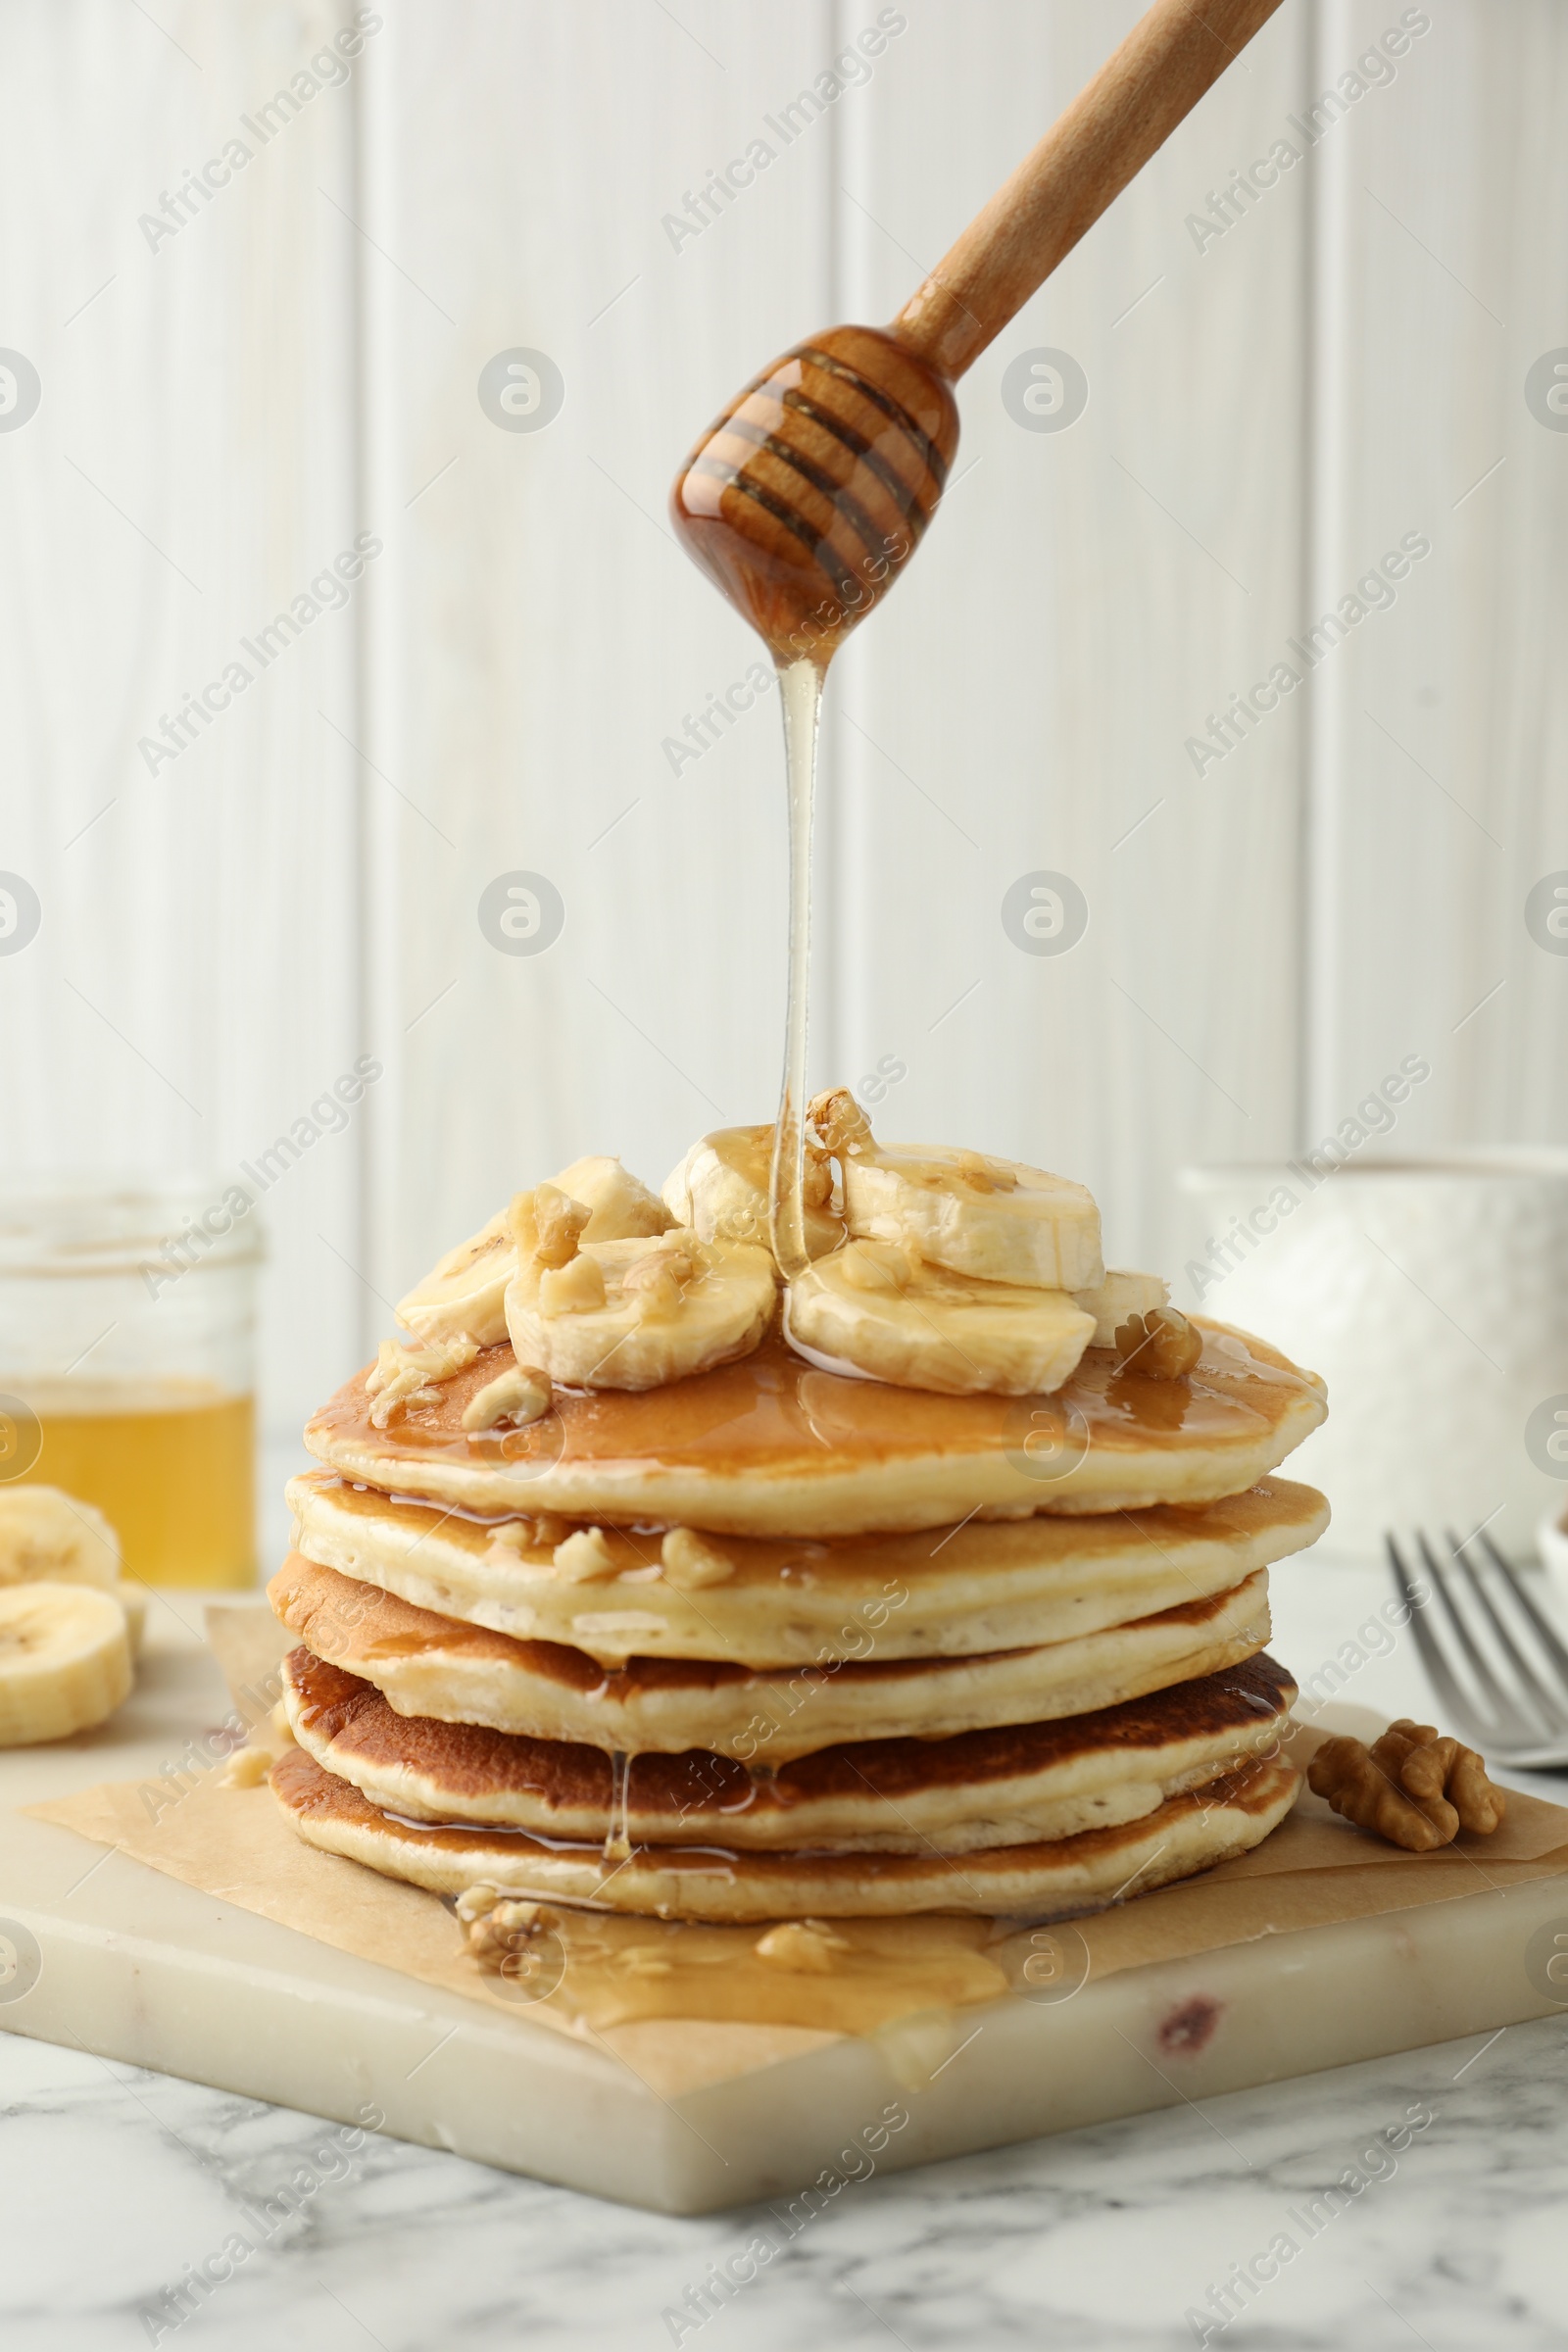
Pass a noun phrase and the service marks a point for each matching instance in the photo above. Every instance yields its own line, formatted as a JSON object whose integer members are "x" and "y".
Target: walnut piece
{"x": 546, "y": 1226}
{"x": 540, "y": 1533}
{"x": 1162, "y": 1344}
{"x": 584, "y": 1557}
{"x": 690, "y": 1561}
{"x": 803, "y": 1947}
{"x": 842, "y": 1126}
{"x": 657, "y": 1279}
{"x": 560, "y": 1221}
{"x": 1411, "y": 1787}
{"x": 514, "y": 1397}
{"x": 501, "y": 1931}
{"x": 413, "y": 1375}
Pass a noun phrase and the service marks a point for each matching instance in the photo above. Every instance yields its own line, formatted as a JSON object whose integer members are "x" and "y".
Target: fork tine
{"x": 1502, "y": 1705}
{"x": 1432, "y": 1657}
{"x": 1549, "y": 1709}
{"x": 1543, "y": 1630}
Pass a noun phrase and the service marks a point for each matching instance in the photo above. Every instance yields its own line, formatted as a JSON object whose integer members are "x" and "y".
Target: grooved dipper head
{"x": 807, "y": 495}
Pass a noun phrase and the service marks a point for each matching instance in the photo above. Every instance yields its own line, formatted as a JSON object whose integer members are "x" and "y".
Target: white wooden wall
{"x": 299, "y": 363}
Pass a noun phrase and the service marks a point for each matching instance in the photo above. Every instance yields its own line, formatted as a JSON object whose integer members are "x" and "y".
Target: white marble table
{"x": 114, "y": 2183}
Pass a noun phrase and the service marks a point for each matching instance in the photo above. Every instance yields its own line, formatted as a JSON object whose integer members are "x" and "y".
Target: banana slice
{"x": 621, "y": 1208}
{"x": 133, "y": 1599}
{"x": 45, "y": 1533}
{"x": 65, "y": 1660}
{"x": 995, "y": 1219}
{"x": 1120, "y": 1296}
{"x": 720, "y": 1189}
{"x": 463, "y": 1295}
{"x": 634, "y": 1314}
{"x": 871, "y": 1306}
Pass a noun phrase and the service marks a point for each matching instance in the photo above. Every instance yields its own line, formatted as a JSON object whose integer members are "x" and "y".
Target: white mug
{"x": 1432, "y": 1295}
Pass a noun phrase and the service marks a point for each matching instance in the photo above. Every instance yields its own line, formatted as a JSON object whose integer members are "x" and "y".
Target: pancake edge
{"x": 1183, "y": 1838}
{"x": 881, "y": 1498}
{"x": 1107, "y": 1779}
{"x": 768, "y": 1625}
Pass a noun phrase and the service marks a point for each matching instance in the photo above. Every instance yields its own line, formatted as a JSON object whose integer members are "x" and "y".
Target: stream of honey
{"x": 604, "y": 1968}
{"x": 801, "y": 697}
{"x": 773, "y": 1410}
{"x": 598, "y": 1967}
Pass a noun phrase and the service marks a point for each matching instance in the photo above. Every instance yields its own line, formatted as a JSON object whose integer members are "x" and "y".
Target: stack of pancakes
{"x": 772, "y": 1642}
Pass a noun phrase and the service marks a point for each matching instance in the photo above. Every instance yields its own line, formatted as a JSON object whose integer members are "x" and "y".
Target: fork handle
{"x": 1087, "y": 157}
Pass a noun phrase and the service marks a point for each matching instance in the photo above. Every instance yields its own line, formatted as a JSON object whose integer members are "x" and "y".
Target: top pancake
{"x": 772, "y": 1447}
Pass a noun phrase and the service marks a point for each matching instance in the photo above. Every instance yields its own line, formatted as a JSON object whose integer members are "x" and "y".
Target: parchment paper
{"x": 1316, "y": 1871}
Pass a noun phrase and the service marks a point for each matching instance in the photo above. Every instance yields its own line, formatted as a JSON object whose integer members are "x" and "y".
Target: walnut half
{"x": 1162, "y": 1344}
{"x": 1412, "y": 1787}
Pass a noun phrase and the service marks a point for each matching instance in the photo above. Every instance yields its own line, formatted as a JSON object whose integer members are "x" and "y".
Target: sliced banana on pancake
{"x": 638, "y": 1314}
{"x": 993, "y": 1218}
{"x": 465, "y": 1292}
{"x": 622, "y": 1206}
{"x": 1120, "y": 1296}
{"x": 721, "y": 1187}
{"x": 462, "y": 1296}
{"x": 872, "y": 1305}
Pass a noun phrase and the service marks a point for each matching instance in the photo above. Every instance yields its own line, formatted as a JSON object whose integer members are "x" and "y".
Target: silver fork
{"x": 1513, "y": 1702}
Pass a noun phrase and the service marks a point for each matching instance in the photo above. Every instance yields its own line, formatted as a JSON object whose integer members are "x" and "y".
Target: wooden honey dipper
{"x": 815, "y": 486}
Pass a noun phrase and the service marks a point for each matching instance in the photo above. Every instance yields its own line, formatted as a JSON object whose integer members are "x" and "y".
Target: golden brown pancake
{"x": 771, "y": 1446}
{"x": 796, "y": 1600}
{"x": 1045, "y": 1879}
{"x": 425, "y": 1664}
{"x": 1014, "y": 1786}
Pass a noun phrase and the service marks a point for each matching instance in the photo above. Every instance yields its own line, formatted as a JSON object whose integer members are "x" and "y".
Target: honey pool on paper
{"x": 170, "y": 1465}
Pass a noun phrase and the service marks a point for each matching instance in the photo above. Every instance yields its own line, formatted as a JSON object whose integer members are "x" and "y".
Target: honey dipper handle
{"x": 1060, "y": 191}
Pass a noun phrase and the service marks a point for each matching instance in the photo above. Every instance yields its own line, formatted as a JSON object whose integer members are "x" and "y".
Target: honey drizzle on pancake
{"x": 770, "y": 1408}
{"x": 617, "y": 1834}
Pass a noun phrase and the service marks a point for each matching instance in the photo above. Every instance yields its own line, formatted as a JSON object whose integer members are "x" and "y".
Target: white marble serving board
{"x": 136, "y": 1966}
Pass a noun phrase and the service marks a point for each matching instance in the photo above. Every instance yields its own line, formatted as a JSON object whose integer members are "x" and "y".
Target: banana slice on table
{"x": 463, "y": 1295}
{"x": 634, "y": 1314}
{"x": 133, "y": 1599}
{"x": 992, "y": 1218}
{"x": 1120, "y": 1296}
{"x": 65, "y": 1660}
{"x": 872, "y": 1306}
{"x": 720, "y": 1189}
{"x": 45, "y": 1533}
